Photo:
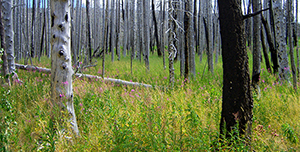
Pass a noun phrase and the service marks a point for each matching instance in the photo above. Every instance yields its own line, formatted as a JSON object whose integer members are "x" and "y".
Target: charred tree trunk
{"x": 237, "y": 99}
{"x": 88, "y": 31}
{"x": 186, "y": 40}
{"x": 156, "y": 29}
{"x": 266, "y": 56}
{"x": 32, "y": 30}
{"x": 256, "y": 46}
{"x": 272, "y": 48}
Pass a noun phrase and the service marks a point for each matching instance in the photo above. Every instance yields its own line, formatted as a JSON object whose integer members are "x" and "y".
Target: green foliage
{"x": 112, "y": 117}
{"x": 7, "y": 120}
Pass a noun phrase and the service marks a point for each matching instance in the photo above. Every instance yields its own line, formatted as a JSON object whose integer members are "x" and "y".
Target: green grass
{"x": 119, "y": 118}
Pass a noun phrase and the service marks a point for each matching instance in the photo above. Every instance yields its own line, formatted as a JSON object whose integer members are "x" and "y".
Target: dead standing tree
{"x": 61, "y": 66}
{"x": 237, "y": 99}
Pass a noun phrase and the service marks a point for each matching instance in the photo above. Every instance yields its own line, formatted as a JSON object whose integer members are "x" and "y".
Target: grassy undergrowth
{"x": 124, "y": 118}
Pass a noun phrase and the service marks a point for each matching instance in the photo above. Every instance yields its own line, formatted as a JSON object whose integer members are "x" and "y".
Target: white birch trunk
{"x": 61, "y": 76}
{"x": 9, "y": 34}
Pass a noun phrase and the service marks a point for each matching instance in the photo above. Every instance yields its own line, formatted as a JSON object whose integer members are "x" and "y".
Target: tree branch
{"x": 254, "y": 14}
{"x": 116, "y": 81}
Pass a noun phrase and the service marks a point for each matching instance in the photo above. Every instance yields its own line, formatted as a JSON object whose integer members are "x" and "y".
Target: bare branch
{"x": 254, "y": 14}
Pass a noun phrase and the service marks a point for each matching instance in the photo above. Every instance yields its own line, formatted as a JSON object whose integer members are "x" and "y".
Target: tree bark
{"x": 156, "y": 30}
{"x": 146, "y": 39}
{"x": 112, "y": 30}
{"x": 256, "y": 46}
{"x": 118, "y": 28}
{"x": 186, "y": 39}
{"x": 32, "y": 49}
{"x": 61, "y": 77}
{"x": 296, "y": 40}
{"x": 280, "y": 40}
{"x": 9, "y": 34}
{"x": 210, "y": 38}
{"x": 4, "y": 69}
{"x": 105, "y": 38}
{"x": 237, "y": 99}
{"x": 88, "y": 31}
{"x": 291, "y": 46}
{"x": 192, "y": 39}
{"x": 171, "y": 45}
{"x": 272, "y": 48}
{"x": 266, "y": 56}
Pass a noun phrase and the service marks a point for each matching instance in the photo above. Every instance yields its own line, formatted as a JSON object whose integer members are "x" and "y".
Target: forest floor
{"x": 113, "y": 117}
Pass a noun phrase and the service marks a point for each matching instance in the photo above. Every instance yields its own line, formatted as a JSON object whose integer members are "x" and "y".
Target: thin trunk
{"x": 162, "y": 36}
{"x": 61, "y": 76}
{"x": 272, "y": 47}
{"x": 296, "y": 40}
{"x": 266, "y": 56}
{"x": 112, "y": 30}
{"x": 146, "y": 33}
{"x": 125, "y": 35}
{"x": 256, "y": 46}
{"x": 192, "y": 39}
{"x": 291, "y": 46}
{"x": 88, "y": 30}
{"x": 156, "y": 30}
{"x": 181, "y": 39}
{"x": 210, "y": 38}
{"x": 186, "y": 39}
{"x": 171, "y": 45}
{"x": 105, "y": 38}
{"x": 42, "y": 40}
{"x": 32, "y": 30}
{"x": 118, "y": 28}
{"x": 139, "y": 30}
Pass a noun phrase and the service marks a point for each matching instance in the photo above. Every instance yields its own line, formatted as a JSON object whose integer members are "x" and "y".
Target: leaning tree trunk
{"x": 4, "y": 69}
{"x": 272, "y": 47}
{"x": 61, "y": 68}
{"x": 237, "y": 99}
{"x": 156, "y": 29}
{"x": 256, "y": 46}
{"x": 9, "y": 34}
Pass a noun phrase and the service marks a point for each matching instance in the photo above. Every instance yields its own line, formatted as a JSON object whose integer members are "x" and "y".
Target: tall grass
{"x": 124, "y": 118}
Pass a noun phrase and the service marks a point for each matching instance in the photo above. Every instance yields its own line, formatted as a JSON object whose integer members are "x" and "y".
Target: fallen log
{"x": 116, "y": 81}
